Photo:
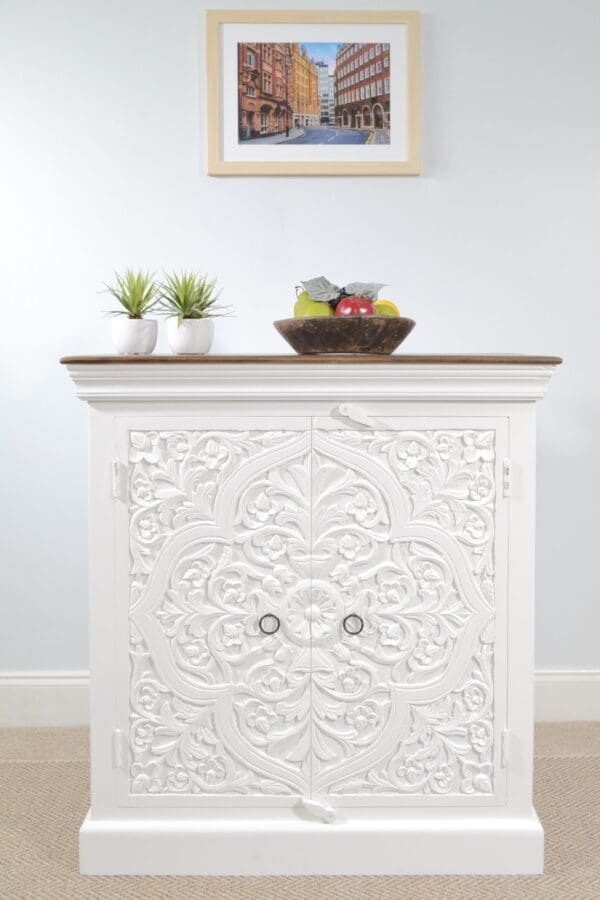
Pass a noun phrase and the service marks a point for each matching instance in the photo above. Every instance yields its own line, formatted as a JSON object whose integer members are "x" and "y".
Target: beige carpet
{"x": 44, "y": 797}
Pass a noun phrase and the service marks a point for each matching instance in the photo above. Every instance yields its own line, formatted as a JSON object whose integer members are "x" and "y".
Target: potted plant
{"x": 137, "y": 294}
{"x": 190, "y": 302}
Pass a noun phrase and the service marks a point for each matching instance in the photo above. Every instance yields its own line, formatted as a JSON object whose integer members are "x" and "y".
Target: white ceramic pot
{"x": 191, "y": 335}
{"x": 134, "y": 336}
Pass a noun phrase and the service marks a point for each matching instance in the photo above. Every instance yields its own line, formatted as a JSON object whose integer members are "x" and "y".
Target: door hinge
{"x": 118, "y": 748}
{"x": 504, "y": 747}
{"x": 506, "y": 478}
{"x": 117, "y": 480}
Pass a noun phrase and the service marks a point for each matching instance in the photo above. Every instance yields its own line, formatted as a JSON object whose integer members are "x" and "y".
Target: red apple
{"x": 355, "y": 306}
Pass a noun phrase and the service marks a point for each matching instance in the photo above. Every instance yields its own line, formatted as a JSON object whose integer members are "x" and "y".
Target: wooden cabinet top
{"x": 329, "y": 359}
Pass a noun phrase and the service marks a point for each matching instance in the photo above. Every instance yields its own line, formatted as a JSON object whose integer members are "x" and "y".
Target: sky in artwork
{"x": 323, "y": 53}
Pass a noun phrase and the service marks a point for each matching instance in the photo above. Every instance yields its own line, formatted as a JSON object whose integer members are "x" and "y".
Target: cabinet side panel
{"x": 102, "y": 573}
{"x": 521, "y": 606}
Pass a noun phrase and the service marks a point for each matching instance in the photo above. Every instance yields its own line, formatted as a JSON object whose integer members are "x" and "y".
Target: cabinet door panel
{"x": 407, "y": 534}
{"x": 218, "y": 523}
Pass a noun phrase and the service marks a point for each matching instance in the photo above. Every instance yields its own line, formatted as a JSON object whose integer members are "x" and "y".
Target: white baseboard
{"x": 60, "y": 699}
{"x": 567, "y": 695}
{"x": 44, "y": 699}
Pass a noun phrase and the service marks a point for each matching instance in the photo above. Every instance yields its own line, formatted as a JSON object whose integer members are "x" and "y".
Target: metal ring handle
{"x": 269, "y": 623}
{"x": 353, "y": 624}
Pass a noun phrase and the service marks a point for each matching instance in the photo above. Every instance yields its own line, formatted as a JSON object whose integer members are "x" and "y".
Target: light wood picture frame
{"x": 298, "y": 93}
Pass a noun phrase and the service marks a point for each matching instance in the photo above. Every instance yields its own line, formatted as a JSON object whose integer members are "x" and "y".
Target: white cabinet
{"x": 311, "y": 616}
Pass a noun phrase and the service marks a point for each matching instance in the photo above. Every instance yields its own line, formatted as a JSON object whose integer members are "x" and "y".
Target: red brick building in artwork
{"x": 265, "y": 85}
{"x": 362, "y": 86}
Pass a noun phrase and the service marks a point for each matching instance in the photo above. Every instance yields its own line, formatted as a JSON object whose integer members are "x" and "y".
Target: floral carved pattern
{"x": 225, "y": 706}
{"x": 404, "y": 524}
{"x": 397, "y": 527}
{"x": 174, "y": 478}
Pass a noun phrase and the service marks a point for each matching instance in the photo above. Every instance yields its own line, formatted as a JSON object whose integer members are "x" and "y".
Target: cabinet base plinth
{"x": 448, "y": 845}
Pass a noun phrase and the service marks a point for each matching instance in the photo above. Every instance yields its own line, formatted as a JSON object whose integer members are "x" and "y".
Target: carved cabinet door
{"x": 311, "y": 611}
{"x": 213, "y": 547}
{"x": 409, "y": 532}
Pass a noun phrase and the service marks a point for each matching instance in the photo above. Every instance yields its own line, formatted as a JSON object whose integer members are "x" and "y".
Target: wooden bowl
{"x": 349, "y": 334}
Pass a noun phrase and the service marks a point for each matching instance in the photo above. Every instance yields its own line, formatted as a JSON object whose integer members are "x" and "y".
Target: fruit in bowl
{"x": 355, "y": 306}
{"x": 347, "y": 320}
{"x": 320, "y": 297}
{"x": 305, "y": 307}
{"x": 386, "y": 308}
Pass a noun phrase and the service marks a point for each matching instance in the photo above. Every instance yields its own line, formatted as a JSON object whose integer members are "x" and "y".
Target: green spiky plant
{"x": 137, "y": 292}
{"x": 189, "y": 295}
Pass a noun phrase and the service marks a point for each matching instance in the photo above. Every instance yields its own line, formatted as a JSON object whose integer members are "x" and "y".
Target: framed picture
{"x": 313, "y": 92}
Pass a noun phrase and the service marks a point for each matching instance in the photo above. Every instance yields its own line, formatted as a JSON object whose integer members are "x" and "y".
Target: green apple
{"x": 305, "y": 307}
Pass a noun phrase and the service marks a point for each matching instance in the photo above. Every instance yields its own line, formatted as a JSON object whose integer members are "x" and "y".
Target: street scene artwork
{"x": 315, "y": 93}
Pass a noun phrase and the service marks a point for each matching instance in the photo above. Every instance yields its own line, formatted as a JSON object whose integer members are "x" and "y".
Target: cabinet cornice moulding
{"x": 105, "y": 382}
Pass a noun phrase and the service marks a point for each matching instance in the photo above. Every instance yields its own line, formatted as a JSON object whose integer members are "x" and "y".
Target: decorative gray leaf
{"x": 368, "y": 289}
{"x": 320, "y": 288}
